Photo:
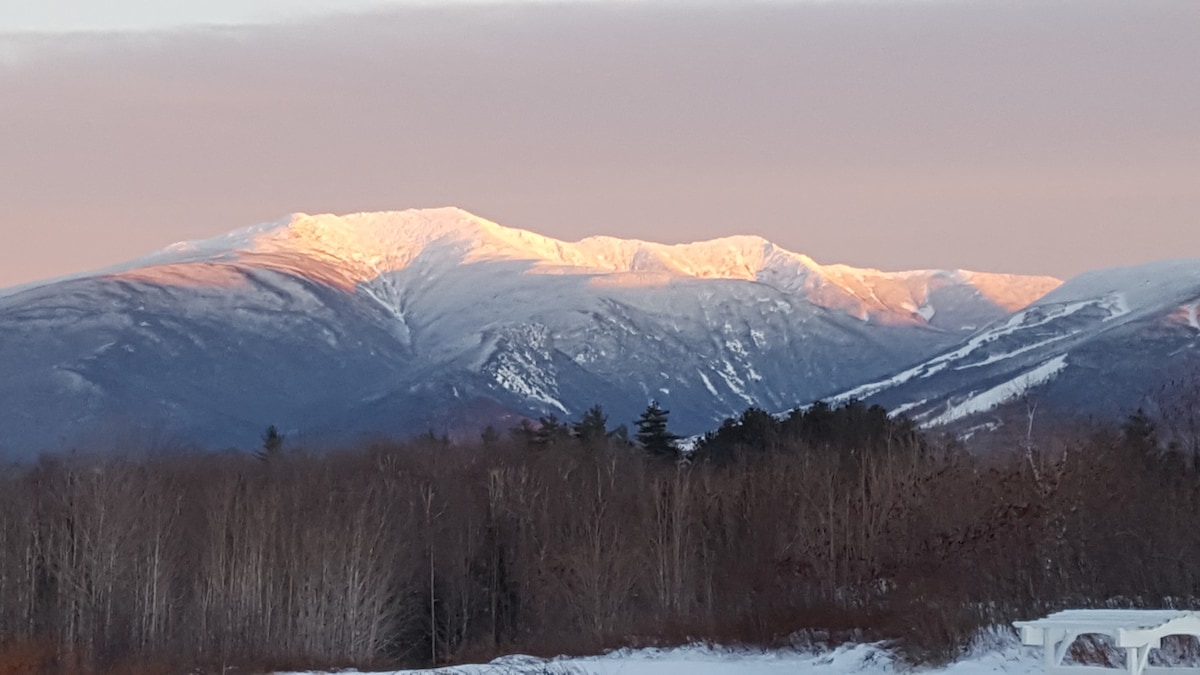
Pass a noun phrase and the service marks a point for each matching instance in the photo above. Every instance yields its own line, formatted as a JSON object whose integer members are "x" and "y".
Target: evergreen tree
{"x": 851, "y": 427}
{"x": 272, "y": 444}
{"x": 551, "y": 432}
{"x": 815, "y": 425}
{"x": 755, "y": 432}
{"x": 592, "y": 430}
{"x": 652, "y": 433}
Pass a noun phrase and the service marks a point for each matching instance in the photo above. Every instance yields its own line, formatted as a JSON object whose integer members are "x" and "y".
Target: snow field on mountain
{"x": 1021, "y": 321}
{"x": 1095, "y": 313}
{"x": 1009, "y": 391}
{"x": 370, "y": 246}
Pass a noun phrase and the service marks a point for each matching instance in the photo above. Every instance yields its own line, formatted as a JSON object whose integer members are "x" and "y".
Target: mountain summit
{"x": 402, "y": 322}
{"x": 362, "y": 248}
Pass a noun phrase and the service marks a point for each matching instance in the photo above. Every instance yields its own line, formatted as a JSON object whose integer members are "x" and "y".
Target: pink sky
{"x": 1042, "y": 137}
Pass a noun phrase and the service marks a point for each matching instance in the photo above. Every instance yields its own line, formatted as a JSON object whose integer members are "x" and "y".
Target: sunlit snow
{"x": 365, "y": 248}
{"x": 1192, "y": 315}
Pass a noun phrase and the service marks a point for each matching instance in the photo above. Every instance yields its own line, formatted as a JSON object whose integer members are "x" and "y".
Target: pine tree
{"x": 754, "y": 433}
{"x": 592, "y": 430}
{"x": 551, "y": 432}
{"x": 652, "y": 433}
{"x": 272, "y": 444}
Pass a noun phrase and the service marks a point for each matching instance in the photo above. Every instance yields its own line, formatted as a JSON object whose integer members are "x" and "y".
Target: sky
{"x": 1025, "y": 136}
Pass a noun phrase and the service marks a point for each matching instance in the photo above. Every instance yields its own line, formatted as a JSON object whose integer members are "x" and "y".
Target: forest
{"x": 829, "y": 524}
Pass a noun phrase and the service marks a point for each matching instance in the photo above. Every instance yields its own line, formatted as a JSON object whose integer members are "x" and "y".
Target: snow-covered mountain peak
{"x": 383, "y": 242}
{"x": 363, "y": 246}
{"x": 364, "y": 249}
{"x": 372, "y": 244}
{"x": 1137, "y": 285}
{"x": 388, "y": 241}
{"x": 1009, "y": 291}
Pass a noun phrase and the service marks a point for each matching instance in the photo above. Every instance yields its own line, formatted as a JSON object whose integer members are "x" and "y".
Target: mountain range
{"x": 335, "y": 327}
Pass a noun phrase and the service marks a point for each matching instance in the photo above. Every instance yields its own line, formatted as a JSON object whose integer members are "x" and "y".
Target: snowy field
{"x": 998, "y": 655}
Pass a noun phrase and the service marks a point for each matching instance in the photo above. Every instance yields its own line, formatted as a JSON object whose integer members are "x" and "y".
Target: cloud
{"x": 982, "y": 134}
{"x": 59, "y": 16}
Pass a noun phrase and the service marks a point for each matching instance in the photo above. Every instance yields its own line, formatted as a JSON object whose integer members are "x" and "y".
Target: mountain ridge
{"x": 368, "y": 245}
{"x": 394, "y": 322}
{"x": 1102, "y": 343}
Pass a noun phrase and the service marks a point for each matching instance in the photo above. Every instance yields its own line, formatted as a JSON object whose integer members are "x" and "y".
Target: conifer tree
{"x": 652, "y": 433}
{"x": 272, "y": 444}
{"x": 551, "y": 431}
{"x": 592, "y": 429}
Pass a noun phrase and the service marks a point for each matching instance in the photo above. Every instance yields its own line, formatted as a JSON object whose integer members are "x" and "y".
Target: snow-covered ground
{"x": 993, "y": 655}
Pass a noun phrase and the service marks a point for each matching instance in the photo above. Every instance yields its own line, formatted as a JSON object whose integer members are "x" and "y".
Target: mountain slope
{"x": 1098, "y": 345}
{"x": 400, "y": 322}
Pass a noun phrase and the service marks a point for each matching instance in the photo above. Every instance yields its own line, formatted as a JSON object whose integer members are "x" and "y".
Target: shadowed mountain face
{"x": 1100, "y": 346}
{"x": 398, "y": 323}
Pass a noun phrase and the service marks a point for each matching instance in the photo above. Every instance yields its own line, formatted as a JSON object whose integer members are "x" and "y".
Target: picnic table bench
{"x": 1136, "y": 631}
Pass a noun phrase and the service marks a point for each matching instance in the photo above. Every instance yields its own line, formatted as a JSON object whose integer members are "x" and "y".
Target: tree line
{"x": 569, "y": 537}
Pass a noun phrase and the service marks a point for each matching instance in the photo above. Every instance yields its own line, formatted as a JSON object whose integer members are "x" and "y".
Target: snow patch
{"x": 1033, "y": 317}
{"x": 995, "y": 358}
{"x": 734, "y": 345}
{"x": 901, "y": 409}
{"x": 1001, "y": 654}
{"x": 73, "y": 381}
{"x": 508, "y": 376}
{"x": 520, "y": 372}
{"x": 1013, "y": 389}
{"x": 734, "y": 382}
{"x": 859, "y": 659}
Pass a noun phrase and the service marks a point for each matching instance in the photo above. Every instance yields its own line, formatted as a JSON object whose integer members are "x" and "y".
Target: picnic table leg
{"x": 1054, "y": 647}
{"x": 1133, "y": 660}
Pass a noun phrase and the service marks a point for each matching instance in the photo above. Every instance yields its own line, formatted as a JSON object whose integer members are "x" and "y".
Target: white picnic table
{"x": 1136, "y": 631}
